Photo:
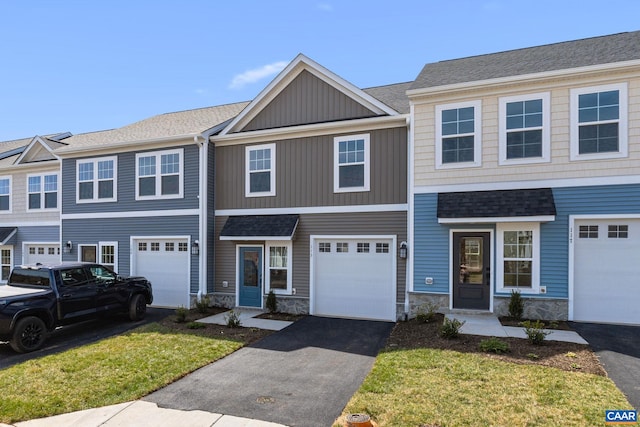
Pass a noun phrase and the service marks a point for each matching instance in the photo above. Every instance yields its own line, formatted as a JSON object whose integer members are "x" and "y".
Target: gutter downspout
{"x": 203, "y": 146}
{"x": 410, "y": 214}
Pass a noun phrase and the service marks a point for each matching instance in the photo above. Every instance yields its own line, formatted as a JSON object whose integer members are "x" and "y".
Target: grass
{"x": 111, "y": 371}
{"x": 432, "y": 387}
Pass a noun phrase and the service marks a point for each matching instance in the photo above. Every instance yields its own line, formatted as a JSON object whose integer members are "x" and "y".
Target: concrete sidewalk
{"x": 142, "y": 414}
{"x": 248, "y": 319}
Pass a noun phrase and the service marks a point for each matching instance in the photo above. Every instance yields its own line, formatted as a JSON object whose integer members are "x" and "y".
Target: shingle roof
{"x": 258, "y": 226}
{"x": 501, "y": 203}
{"x": 167, "y": 125}
{"x": 394, "y": 95}
{"x": 558, "y": 56}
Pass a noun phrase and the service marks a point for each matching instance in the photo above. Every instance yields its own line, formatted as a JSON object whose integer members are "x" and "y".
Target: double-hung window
{"x": 159, "y": 175}
{"x": 279, "y": 267}
{"x": 524, "y": 129}
{"x": 260, "y": 167}
{"x": 5, "y": 194}
{"x": 97, "y": 180}
{"x": 42, "y": 192}
{"x": 518, "y": 255}
{"x": 458, "y": 135}
{"x": 351, "y": 163}
{"x": 599, "y": 122}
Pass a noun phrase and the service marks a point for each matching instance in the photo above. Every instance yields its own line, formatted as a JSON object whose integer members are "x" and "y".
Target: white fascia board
{"x": 528, "y": 78}
{"x": 132, "y": 214}
{"x": 403, "y": 207}
{"x": 492, "y": 220}
{"x": 519, "y": 185}
{"x": 287, "y": 75}
{"x": 34, "y": 141}
{"x": 303, "y": 131}
{"x": 118, "y": 147}
{"x": 256, "y": 238}
{"x": 44, "y": 166}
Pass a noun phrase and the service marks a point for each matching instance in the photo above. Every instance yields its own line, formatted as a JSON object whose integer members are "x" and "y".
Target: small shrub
{"x": 271, "y": 303}
{"x": 202, "y": 305}
{"x": 451, "y": 328}
{"x": 553, "y": 324}
{"x": 533, "y": 356}
{"x": 535, "y": 331}
{"x": 571, "y": 354}
{"x": 232, "y": 319}
{"x": 494, "y": 345}
{"x": 181, "y": 314}
{"x": 196, "y": 325}
{"x": 516, "y": 305}
{"x": 426, "y": 312}
{"x": 575, "y": 366}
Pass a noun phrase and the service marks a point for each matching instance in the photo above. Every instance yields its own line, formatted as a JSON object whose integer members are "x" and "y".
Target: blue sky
{"x": 82, "y": 66}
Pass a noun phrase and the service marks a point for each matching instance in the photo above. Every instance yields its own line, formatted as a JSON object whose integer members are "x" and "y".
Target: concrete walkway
{"x": 247, "y": 320}
{"x": 489, "y": 325}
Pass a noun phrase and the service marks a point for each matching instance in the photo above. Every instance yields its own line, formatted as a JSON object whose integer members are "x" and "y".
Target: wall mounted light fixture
{"x": 67, "y": 247}
{"x": 403, "y": 250}
{"x": 195, "y": 248}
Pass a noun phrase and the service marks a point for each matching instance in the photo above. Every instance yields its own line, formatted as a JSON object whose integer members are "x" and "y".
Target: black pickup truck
{"x": 39, "y": 298}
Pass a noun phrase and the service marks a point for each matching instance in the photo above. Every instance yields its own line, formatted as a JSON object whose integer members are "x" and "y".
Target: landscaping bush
{"x": 202, "y": 305}
{"x": 451, "y": 328}
{"x": 232, "y": 319}
{"x": 426, "y": 312}
{"x": 181, "y": 314}
{"x": 196, "y": 325}
{"x": 535, "y": 331}
{"x": 271, "y": 303}
{"x": 494, "y": 345}
{"x": 516, "y": 305}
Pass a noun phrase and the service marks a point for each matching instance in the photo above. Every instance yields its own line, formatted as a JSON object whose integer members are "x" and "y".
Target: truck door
{"x": 77, "y": 294}
{"x": 111, "y": 294}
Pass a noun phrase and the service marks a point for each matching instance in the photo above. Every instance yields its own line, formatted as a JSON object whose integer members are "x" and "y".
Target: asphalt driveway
{"x": 303, "y": 375}
{"x": 618, "y": 348}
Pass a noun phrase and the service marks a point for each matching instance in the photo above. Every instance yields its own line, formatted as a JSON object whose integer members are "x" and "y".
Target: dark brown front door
{"x": 471, "y": 270}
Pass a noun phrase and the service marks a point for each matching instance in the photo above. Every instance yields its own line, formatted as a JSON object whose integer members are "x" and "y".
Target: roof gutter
{"x": 119, "y": 145}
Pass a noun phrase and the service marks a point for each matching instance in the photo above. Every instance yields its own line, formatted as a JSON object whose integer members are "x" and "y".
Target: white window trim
{"x": 546, "y": 129}
{"x": 95, "y": 180}
{"x": 115, "y": 254}
{"x": 267, "y": 266}
{"x": 623, "y": 147}
{"x": 336, "y": 165}
{"x": 535, "y": 264}
{"x": 272, "y": 171}
{"x": 11, "y": 264}
{"x": 477, "y": 135}
{"x": 10, "y": 178}
{"x": 42, "y": 193}
{"x": 158, "y": 156}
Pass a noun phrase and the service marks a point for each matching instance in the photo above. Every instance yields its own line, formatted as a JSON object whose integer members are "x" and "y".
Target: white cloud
{"x": 252, "y": 76}
{"x": 325, "y": 7}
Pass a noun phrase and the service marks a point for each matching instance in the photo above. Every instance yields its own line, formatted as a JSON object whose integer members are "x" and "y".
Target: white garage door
{"x": 606, "y": 285}
{"x": 165, "y": 262}
{"x": 354, "y": 278}
{"x": 42, "y": 253}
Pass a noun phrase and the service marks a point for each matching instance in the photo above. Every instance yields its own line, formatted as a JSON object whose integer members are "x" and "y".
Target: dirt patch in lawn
{"x": 555, "y": 354}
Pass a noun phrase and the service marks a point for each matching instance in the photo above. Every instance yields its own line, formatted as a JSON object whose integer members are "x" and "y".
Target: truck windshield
{"x": 26, "y": 277}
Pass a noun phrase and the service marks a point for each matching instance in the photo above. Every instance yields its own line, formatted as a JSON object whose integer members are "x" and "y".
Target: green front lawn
{"x": 433, "y": 387}
{"x": 111, "y": 371}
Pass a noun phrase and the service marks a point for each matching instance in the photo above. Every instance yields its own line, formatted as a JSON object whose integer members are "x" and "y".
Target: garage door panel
{"x": 165, "y": 262}
{"x": 354, "y": 284}
{"x": 42, "y": 253}
{"x": 606, "y": 259}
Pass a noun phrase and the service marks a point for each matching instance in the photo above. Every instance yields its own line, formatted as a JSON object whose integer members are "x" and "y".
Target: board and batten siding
{"x": 307, "y": 99}
{"x": 348, "y": 224}
{"x": 36, "y": 234}
{"x": 92, "y": 231}
{"x": 560, "y": 166}
{"x": 126, "y": 186}
{"x": 304, "y": 173}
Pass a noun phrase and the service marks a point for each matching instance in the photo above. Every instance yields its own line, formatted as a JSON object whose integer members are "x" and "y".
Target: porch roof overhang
{"x": 260, "y": 227}
{"x": 525, "y": 205}
{"x": 6, "y": 233}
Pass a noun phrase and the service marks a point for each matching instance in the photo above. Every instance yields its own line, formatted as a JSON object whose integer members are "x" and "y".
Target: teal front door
{"x": 250, "y": 276}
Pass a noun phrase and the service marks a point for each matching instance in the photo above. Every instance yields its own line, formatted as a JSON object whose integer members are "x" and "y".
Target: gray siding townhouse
{"x": 311, "y": 197}
{"x": 133, "y": 199}
{"x": 29, "y": 201}
{"x": 525, "y": 177}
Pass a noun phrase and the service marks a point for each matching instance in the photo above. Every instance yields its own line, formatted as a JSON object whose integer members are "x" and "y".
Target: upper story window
{"x": 42, "y": 192}
{"x": 159, "y": 175}
{"x": 458, "y": 135}
{"x": 97, "y": 180}
{"x": 351, "y": 163}
{"x": 525, "y": 129}
{"x": 599, "y": 122}
{"x": 5, "y": 194}
{"x": 260, "y": 167}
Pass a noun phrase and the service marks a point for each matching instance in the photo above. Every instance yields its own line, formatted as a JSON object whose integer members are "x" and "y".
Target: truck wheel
{"x": 29, "y": 334}
{"x": 137, "y": 307}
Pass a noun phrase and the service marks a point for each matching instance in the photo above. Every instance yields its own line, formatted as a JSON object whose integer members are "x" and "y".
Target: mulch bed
{"x": 561, "y": 355}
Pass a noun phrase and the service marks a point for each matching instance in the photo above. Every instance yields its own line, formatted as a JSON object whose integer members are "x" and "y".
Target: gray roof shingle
{"x": 501, "y": 203}
{"x": 558, "y": 56}
{"x": 394, "y": 95}
{"x": 260, "y": 226}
